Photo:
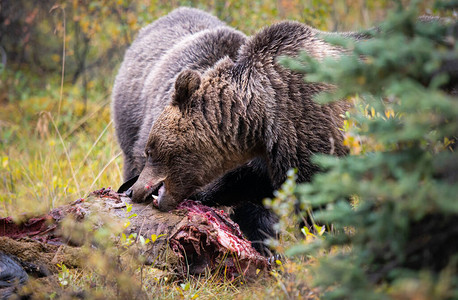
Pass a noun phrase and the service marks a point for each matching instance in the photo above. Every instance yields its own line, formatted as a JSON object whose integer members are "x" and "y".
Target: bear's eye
{"x": 152, "y": 158}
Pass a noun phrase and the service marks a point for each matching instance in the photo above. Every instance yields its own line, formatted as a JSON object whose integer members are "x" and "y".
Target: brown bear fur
{"x": 230, "y": 132}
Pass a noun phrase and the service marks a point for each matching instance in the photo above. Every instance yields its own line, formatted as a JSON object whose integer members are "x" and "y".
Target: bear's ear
{"x": 186, "y": 84}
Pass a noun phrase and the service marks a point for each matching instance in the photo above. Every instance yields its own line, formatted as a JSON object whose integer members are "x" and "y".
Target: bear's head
{"x": 191, "y": 143}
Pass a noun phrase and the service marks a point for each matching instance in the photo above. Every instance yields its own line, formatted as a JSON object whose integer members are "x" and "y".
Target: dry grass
{"x": 45, "y": 162}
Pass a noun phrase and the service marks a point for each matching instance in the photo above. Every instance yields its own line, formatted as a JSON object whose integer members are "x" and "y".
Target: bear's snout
{"x": 149, "y": 181}
{"x": 143, "y": 192}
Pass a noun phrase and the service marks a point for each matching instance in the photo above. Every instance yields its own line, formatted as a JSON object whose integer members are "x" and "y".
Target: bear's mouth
{"x": 154, "y": 190}
{"x": 158, "y": 195}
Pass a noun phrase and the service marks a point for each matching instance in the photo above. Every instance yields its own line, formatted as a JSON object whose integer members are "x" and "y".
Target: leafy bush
{"x": 395, "y": 204}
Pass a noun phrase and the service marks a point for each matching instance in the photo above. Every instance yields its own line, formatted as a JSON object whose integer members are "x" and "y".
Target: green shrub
{"x": 394, "y": 200}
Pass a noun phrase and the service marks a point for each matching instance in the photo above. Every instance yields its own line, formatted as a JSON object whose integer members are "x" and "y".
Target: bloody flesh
{"x": 200, "y": 237}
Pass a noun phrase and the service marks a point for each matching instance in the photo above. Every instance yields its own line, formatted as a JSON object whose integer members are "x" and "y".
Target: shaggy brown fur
{"x": 231, "y": 132}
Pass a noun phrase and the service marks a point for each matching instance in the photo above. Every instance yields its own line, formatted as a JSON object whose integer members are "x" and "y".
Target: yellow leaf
{"x": 84, "y": 26}
{"x": 5, "y": 161}
{"x": 320, "y": 229}
{"x": 389, "y": 113}
{"x": 361, "y": 80}
{"x": 55, "y": 57}
{"x": 153, "y": 238}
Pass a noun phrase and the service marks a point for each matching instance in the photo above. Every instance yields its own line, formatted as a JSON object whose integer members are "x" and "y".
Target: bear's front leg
{"x": 256, "y": 222}
{"x": 248, "y": 183}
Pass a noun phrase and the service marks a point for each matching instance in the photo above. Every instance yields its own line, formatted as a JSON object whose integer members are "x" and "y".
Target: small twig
{"x": 92, "y": 147}
{"x": 63, "y": 59}
{"x": 4, "y": 57}
{"x": 55, "y": 259}
{"x": 333, "y": 148}
{"x": 103, "y": 170}
{"x": 66, "y": 152}
{"x": 85, "y": 119}
{"x": 140, "y": 231}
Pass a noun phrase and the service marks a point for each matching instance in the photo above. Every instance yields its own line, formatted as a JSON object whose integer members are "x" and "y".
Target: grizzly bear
{"x": 203, "y": 112}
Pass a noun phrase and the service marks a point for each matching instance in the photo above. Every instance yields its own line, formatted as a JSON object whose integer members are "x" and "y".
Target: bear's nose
{"x": 129, "y": 193}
